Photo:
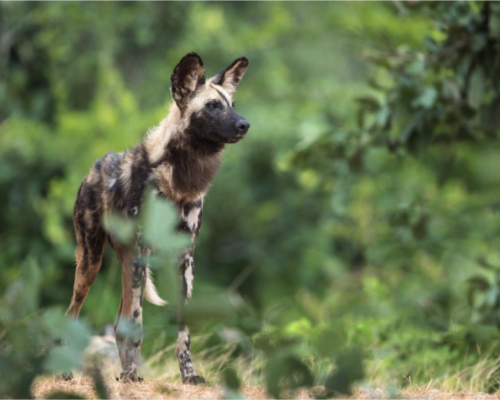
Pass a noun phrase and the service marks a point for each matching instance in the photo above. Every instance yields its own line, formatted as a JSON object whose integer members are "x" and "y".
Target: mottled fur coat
{"x": 177, "y": 160}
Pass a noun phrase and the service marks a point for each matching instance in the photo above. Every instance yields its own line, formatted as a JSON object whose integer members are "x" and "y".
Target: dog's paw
{"x": 65, "y": 376}
{"x": 128, "y": 378}
{"x": 193, "y": 380}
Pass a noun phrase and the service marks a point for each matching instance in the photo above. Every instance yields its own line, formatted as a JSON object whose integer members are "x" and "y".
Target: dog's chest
{"x": 187, "y": 178}
{"x": 188, "y": 174}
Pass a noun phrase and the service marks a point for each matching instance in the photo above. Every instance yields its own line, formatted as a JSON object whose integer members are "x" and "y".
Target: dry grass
{"x": 156, "y": 389}
{"x": 45, "y": 387}
{"x": 471, "y": 381}
{"x": 163, "y": 380}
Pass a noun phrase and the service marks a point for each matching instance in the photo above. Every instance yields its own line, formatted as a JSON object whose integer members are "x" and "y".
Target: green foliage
{"x": 286, "y": 370}
{"x": 484, "y": 294}
{"x": 349, "y": 370}
{"x": 31, "y": 337}
{"x": 446, "y": 93}
{"x": 426, "y": 209}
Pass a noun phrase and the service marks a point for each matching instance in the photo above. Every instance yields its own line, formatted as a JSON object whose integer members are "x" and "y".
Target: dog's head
{"x": 206, "y": 106}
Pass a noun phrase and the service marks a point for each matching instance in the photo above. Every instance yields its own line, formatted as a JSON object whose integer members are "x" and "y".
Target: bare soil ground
{"x": 46, "y": 387}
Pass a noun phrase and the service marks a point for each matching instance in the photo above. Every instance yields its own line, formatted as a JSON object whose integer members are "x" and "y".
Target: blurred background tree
{"x": 358, "y": 219}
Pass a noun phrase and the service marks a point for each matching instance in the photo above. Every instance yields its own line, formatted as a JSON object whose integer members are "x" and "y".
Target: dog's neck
{"x": 182, "y": 164}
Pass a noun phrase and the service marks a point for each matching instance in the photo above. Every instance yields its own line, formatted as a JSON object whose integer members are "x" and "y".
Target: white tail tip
{"x": 150, "y": 292}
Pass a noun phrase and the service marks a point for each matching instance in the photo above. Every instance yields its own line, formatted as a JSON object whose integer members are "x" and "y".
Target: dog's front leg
{"x": 191, "y": 221}
{"x": 183, "y": 339}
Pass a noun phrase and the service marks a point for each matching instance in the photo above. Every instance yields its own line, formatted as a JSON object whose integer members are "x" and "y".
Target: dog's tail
{"x": 150, "y": 292}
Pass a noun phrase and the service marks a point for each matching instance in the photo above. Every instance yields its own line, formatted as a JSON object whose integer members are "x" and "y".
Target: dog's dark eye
{"x": 233, "y": 105}
{"x": 211, "y": 106}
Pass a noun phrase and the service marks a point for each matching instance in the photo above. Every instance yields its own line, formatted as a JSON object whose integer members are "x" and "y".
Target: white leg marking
{"x": 192, "y": 218}
{"x": 189, "y": 276}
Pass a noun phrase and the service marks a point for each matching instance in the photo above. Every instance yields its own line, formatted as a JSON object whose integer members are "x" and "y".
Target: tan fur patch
{"x": 93, "y": 177}
{"x": 126, "y": 174}
{"x": 89, "y": 219}
{"x": 164, "y": 176}
{"x": 157, "y": 139}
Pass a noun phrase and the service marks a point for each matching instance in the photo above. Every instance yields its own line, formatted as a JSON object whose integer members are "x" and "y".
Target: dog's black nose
{"x": 243, "y": 125}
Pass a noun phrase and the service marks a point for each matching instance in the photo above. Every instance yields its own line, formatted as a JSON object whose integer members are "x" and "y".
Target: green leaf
{"x": 478, "y": 42}
{"x": 129, "y": 329}
{"x": 123, "y": 229}
{"x": 473, "y": 5}
{"x": 494, "y": 25}
{"x": 492, "y": 295}
{"x": 479, "y": 282}
{"x": 426, "y": 98}
{"x": 63, "y": 359}
{"x": 401, "y": 120}
{"x": 285, "y": 370}
{"x": 476, "y": 88}
{"x": 349, "y": 370}
{"x": 32, "y": 278}
{"x": 232, "y": 394}
{"x": 451, "y": 90}
{"x": 329, "y": 341}
{"x": 383, "y": 116}
{"x": 52, "y": 320}
{"x": 369, "y": 103}
{"x": 483, "y": 333}
{"x": 417, "y": 67}
{"x": 99, "y": 384}
{"x": 231, "y": 379}
{"x": 76, "y": 335}
{"x": 159, "y": 222}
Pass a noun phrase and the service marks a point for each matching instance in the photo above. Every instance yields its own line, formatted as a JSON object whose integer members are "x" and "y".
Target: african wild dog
{"x": 177, "y": 160}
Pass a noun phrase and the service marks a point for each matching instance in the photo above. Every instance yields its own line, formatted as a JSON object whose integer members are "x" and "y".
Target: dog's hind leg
{"x": 133, "y": 283}
{"x": 91, "y": 240}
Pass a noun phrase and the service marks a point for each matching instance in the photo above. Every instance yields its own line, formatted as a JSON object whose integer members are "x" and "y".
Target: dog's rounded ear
{"x": 230, "y": 77}
{"x": 187, "y": 76}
